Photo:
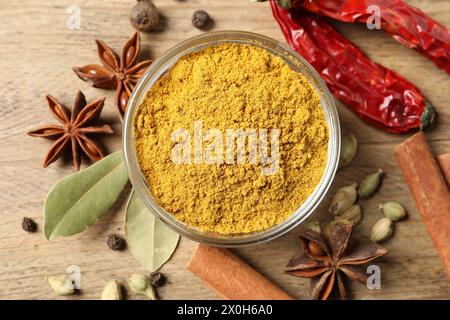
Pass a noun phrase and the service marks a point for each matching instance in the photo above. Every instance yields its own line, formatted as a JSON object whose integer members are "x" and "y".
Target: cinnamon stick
{"x": 231, "y": 278}
{"x": 444, "y": 163}
{"x": 430, "y": 191}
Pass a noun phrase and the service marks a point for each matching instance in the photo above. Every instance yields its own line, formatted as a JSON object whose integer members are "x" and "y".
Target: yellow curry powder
{"x": 232, "y": 86}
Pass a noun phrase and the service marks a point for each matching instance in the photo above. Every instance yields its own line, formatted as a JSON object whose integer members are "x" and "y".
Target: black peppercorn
{"x": 144, "y": 16}
{"x": 200, "y": 19}
{"x": 115, "y": 242}
{"x": 29, "y": 225}
{"x": 157, "y": 279}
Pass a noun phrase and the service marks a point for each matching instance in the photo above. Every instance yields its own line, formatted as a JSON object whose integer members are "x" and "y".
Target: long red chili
{"x": 408, "y": 25}
{"x": 378, "y": 95}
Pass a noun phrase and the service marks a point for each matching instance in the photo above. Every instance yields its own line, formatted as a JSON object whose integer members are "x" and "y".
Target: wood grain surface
{"x": 37, "y": 53}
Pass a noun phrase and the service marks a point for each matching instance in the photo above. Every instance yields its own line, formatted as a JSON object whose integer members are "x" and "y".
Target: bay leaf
{"x": 150, "y": 240}
{"x": 78, "y": 200}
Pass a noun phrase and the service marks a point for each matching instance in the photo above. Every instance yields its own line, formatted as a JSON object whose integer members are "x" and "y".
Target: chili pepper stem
{"x": 428, "y": 116}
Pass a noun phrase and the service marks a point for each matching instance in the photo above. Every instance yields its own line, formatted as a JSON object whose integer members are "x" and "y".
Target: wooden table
{"x": 37, "y": 53}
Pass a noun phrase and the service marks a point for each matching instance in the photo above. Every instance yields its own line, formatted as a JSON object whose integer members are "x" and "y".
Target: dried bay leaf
{"x": 150, "y": 240}
{"x": 78, "y": 200}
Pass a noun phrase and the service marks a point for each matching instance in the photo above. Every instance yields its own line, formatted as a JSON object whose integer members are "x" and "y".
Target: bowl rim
{"x": 159, "y": 67}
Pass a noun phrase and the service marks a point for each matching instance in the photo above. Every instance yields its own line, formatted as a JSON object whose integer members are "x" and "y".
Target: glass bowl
{"x": 160, "y": 66}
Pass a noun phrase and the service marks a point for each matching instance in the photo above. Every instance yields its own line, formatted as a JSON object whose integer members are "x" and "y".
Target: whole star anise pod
{"x": 73, "y": 130}
{"x": 327, "y": 262}
{"x": 120, "y": 74}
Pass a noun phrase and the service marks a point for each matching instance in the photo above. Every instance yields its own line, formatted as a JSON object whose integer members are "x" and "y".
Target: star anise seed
{"x": 339, "y": 257}
{"x": 120, "y": 74}
{"x": 74, "y": 129}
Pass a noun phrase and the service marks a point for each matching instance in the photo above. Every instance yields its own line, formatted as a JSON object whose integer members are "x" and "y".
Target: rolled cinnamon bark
{"x": 429, "y": 189}
{"x": 444, "y": 163}
{"x": 231, "y": 278}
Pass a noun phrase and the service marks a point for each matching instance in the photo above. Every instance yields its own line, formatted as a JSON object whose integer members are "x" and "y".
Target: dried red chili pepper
{"x": 378, "y": 95}
{"x": 408, "y": 25}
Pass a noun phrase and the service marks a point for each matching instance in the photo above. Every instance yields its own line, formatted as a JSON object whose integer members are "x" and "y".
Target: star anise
{"x": 120, "y": 74}
{"x": 327, "y": 262}
{"x": 74, "y": 128}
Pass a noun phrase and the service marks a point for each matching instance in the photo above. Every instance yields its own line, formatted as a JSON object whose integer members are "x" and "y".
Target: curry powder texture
{"x": 232, "y": 86}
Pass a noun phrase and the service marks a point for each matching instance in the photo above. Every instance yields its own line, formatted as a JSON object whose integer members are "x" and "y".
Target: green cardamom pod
{"x": 112, "y": 291}
{"x": 349, "y": 147}
{"x": 313, "y": 225}
{"x": 352, "y": 214}
{"x": 382, "y": 230}
{"x": 140, "y": 284}
{"x": 393, "y": 210}
{"x": 343, "y": 199}
{"x": 370, "y": 184}
{"x": 61, "y": 284}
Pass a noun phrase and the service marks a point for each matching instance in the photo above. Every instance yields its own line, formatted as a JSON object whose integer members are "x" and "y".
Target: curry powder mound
{"x": 232, "y": 86}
